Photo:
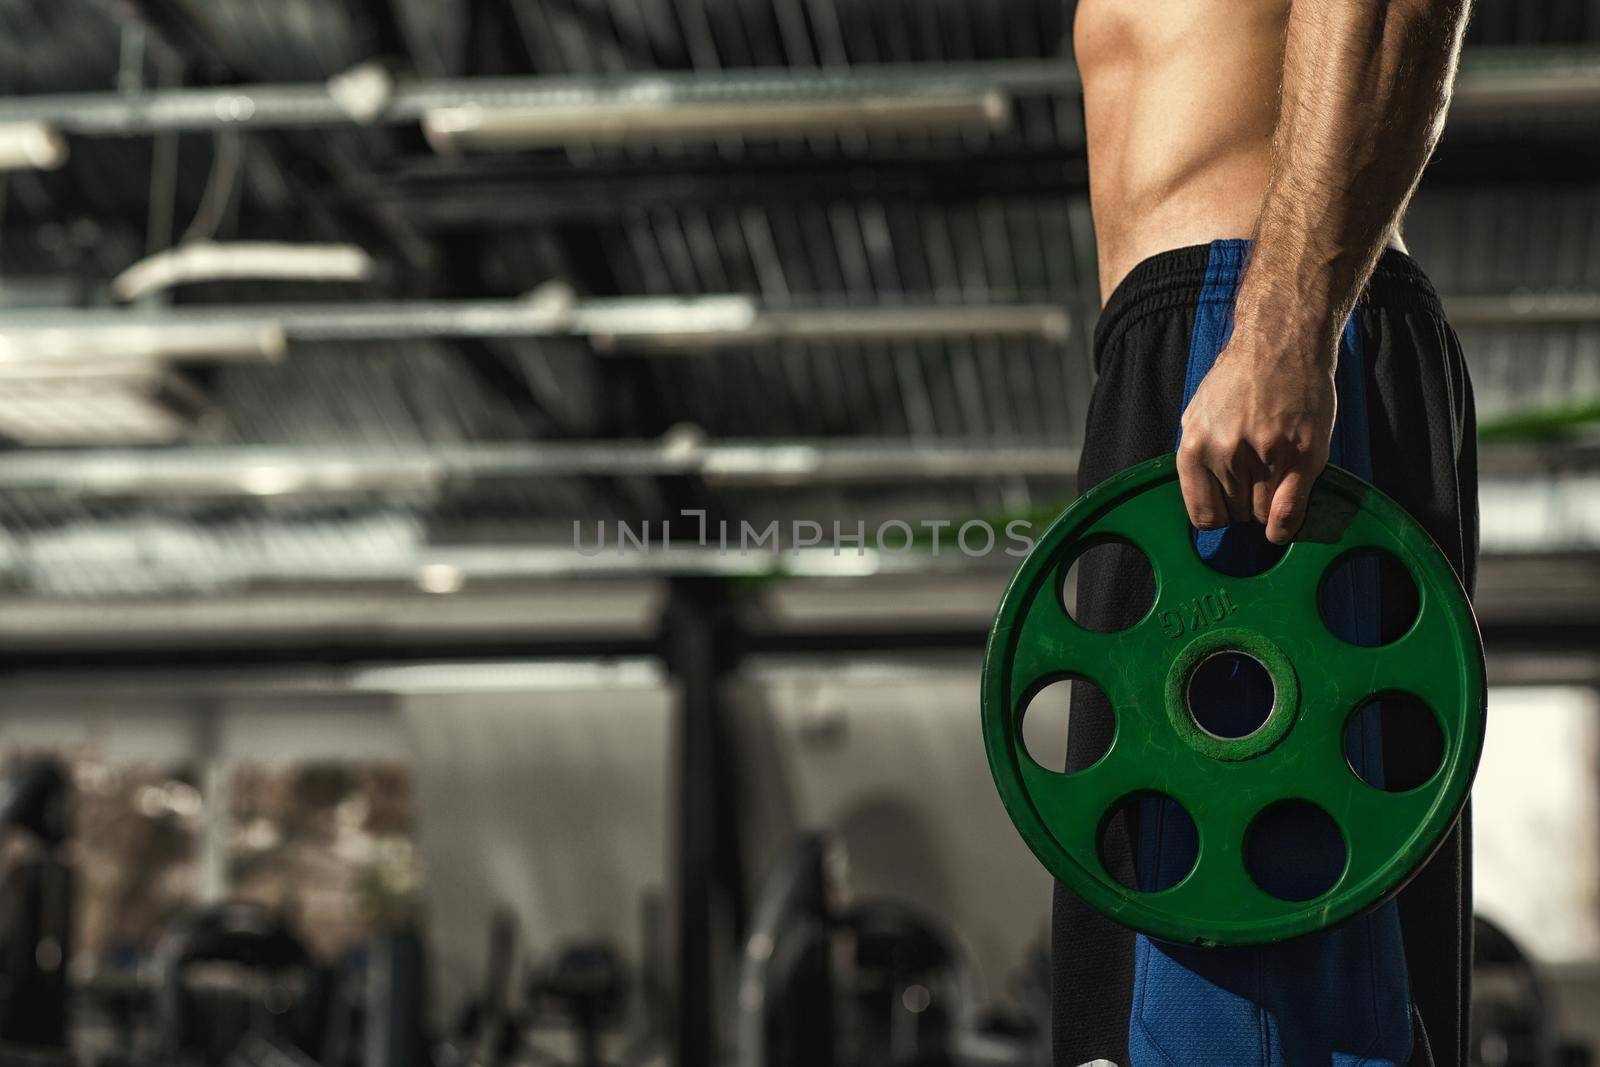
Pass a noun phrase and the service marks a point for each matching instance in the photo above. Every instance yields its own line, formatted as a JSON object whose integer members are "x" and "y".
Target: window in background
{"x": 1535, "y": 809}
{"x": 330, "y": 845}
{"x": 135, "y": 845}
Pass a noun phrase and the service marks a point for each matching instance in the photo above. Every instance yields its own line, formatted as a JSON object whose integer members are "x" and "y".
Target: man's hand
{"x": 1256, "y": 434}
{"x": 1365, "y": 87}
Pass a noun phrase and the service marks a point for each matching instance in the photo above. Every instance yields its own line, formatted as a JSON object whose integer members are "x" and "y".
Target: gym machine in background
{"x": 869, "y": 984}
{"x": 1513, "y": 1019}
{"x": 35, "y": 907}
{"x": 821, "y": 983}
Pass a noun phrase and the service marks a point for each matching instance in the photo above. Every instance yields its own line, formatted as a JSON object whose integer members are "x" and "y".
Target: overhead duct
{"x": 1502, "y": 81}
{"x": 360, "y": 98}
{"x": 1492, "y": 81}
{"x": 252, "y": 470}
{"x": 31, "y": 145}
{"x": 28, "y": 339}
{"x": 246, "y": 471}
{"x": 688, "y": 323}
{"x": 207, "y": 261}
{"x": 91, "y": 407}
{"x": 649, "y": 113}
{"x": 1525, "y": 308}
{"x": 739, "y": 321}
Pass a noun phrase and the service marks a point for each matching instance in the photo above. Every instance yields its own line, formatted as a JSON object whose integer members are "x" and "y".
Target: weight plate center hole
{"x": 1231, "y": 695}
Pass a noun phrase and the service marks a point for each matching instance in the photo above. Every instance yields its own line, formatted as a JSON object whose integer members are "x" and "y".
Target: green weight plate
{"x": 1297, "y": 754}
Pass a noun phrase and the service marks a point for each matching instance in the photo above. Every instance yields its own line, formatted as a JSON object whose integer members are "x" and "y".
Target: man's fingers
{"x": 1288, "y": 507}
{"x": 1236, "y": 490}
{"x": 1261, "y": 498}
{"x": 1238, "y": 471}
{"x": 1202, "y": 494}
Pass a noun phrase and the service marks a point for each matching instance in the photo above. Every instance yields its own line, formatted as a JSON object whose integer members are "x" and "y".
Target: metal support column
{"x": 709, "y": 881}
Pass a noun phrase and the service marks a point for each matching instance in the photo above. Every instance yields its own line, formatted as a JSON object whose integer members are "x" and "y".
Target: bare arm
{"x": 1365, "y": 87}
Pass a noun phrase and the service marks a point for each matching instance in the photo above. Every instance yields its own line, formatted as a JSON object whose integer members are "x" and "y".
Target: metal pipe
{"x": 301, "y": 106}
{"x": 1491, "y": 80}
{"x": 697, "y": 323}
{"x": 687, "y": 324}
{"x": 204, "y": 261}
{"x": 1524, "y": 309}
{"x": 31, "y": 146}
{"x": 668, "y": 323}
{"x": 268, "y": 471}
{"x": 617, "y": 122}
{"x": 246, "y": 471}
{"x": 1499, "y": 81}
{"x": 116, "y": 341}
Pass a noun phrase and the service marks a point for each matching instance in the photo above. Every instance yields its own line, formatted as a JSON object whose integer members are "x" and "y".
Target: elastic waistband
{"x": 1185, "y": 276}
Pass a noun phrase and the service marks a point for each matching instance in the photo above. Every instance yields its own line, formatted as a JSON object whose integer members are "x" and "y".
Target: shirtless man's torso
{"x": 1249, "y": 164}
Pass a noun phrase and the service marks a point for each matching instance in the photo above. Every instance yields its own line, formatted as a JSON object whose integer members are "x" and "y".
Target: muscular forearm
{"x": 1365, "y": 86}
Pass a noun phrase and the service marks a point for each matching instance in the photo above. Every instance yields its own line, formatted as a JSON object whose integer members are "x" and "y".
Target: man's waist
{"x": 1183, "y": 278}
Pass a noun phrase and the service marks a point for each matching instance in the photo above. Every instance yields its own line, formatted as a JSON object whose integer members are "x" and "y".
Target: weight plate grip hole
{"x": 1120, "y": 561}
{"x": 1239, "y": 551}
{"x": 1393, "y": 742}
{"x": 1067, "y": 724}
{"x": 1368, "y": 598}
{"x": 1293, "y": 850}
{"x": 1148, "y": 842}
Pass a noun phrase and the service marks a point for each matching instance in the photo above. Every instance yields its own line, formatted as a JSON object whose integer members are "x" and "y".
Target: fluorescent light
{"x": 690, "y": 324}
{"x": 440, "y": 578}
{"x": 154, "y": 409}
{"x": 647, "y": 113}
{"x": 203, "y": 261}
{"x": 31, "y": 146}
{"x": 668, "y": 321}
{"x": 101, "y": 341}
{"x": 699, "y": 323}
{"x": 518, "y": 677}
{"x": 258, "y": 470}
{"x": 363, "y": 92}
{"x": 74, "y": 370}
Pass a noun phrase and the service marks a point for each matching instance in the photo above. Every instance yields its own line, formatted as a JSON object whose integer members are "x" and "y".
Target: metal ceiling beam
{"x": 439, "y": 194}
{"x": 314, "y": 105}
{"x": 1492, "y": 82}
{"x": 688, "y": 324}
{"x": 643, "y": 119}
{"x": 274, "y": 471}
{"x": 1506, "y": 81}
{"x": 268, "y": 471}
{"x": 1529, "y": 308}
{"x": 282, "y": 471}
{"x": 306, "y": 167}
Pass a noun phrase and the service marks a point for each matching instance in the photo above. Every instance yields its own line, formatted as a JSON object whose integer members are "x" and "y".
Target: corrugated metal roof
{"x": 862, "y": 241}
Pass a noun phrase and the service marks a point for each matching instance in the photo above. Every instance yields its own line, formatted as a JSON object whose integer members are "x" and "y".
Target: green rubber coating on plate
{"x": 1297, "y": 754}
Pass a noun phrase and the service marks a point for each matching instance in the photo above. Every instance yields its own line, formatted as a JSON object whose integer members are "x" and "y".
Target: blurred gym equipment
{"x": 485, "y": 1031}
{"x": 1513, "y": 1024}
{"x": 586, "y": 986}
{"x": 35, "y": 907}
{"x": 395, "y": 1023}
{"x": 874, "y": 984}
{"x": 227, "y": 974}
